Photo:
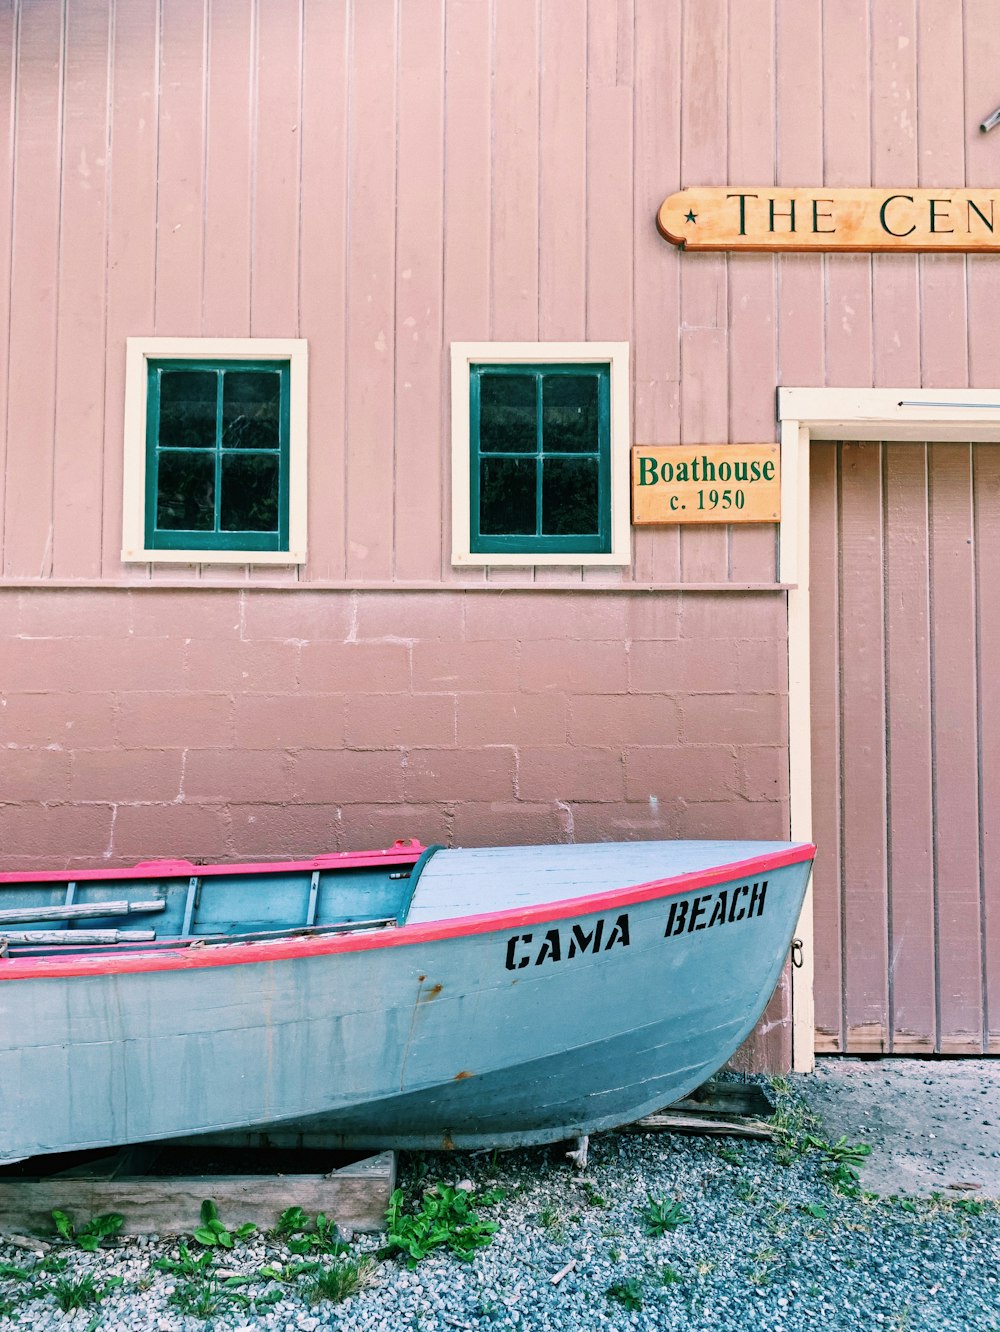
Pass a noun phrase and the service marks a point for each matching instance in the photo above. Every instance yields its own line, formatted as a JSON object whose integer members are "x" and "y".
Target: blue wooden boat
{"x": 408, "y": 997}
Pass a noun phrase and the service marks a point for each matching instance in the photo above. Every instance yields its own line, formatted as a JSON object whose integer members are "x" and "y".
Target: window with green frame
{"x": 217, "y": 454}
{"x": 540, "y": 464}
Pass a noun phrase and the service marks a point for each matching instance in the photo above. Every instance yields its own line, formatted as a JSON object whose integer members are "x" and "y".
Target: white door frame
{"x": 916, "y": 416}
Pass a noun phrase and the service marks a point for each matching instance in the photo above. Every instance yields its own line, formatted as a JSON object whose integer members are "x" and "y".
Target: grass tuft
{"x": 344, "y": 1279}
{"x": 82, "y": 1294}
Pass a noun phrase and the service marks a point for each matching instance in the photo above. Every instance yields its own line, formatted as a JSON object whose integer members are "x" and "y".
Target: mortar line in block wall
{"x": 455, "y": 589}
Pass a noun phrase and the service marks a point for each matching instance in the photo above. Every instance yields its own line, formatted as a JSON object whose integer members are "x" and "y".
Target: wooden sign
{"x": 764, "y": 217}
{"x": 696, "y": 483}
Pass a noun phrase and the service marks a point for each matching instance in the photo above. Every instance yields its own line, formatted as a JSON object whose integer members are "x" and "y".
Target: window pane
{"x": 187, "y": 409}
{"x": 249, "y": 493}
{"x": 507, "y": 497}
{"x": 251, "y": 402}
{"x": 507, "y": 421}
{"x": 569, "y": 413}
{"x": 569, "y": 497}
{"x": 185, "y": 495}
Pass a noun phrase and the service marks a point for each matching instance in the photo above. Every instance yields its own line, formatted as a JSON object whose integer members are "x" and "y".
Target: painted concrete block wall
{"x": 230, "y": 723}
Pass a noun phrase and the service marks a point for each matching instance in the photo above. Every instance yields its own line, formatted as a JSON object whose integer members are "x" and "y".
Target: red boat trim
{"x": 403, "y": 853}
{"x": 228, "y": 955}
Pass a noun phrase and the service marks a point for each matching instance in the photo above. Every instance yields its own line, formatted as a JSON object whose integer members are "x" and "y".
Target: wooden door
{"x": 905, "y": 642}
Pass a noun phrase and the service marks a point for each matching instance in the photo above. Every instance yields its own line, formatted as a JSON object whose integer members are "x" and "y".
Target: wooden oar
{"x": 78, "y": 911}
{"x": 71, "y": 938}
{"x": 293, "y": 932}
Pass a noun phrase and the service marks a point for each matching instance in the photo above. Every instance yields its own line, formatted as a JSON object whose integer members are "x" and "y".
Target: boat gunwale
{"x": 403, "y": 853}
{"x": 188, "y": 956}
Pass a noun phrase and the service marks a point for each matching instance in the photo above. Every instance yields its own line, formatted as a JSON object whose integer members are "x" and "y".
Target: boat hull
{"x": 497, "y": 1030}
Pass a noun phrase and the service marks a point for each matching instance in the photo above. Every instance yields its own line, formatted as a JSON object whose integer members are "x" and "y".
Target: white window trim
{"x": 613, "y": 354}
{"x": 138, "y": 352}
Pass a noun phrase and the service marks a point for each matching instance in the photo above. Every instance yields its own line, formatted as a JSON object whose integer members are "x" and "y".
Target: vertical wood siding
{"x": 906, "y": 737}
{"x": 384, "y": 178}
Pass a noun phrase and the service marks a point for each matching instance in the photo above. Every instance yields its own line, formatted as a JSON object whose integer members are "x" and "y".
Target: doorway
{"x": 905, "y": 744}
{"x": 891, "y": 548}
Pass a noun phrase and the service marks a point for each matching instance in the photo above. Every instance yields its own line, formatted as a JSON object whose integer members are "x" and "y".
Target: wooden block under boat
{"x": 728, "y": 1098}
{"x": 355, "y": 1194}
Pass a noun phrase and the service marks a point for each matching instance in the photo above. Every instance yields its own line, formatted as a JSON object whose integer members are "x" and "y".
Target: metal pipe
{"x": 991, "y": 121}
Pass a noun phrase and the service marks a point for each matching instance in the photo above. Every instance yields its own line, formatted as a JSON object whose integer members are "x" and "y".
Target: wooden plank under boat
{"x": 408, "y": 997}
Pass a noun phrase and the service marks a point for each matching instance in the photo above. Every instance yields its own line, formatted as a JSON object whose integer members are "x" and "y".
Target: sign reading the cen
{"x": 770, "y": 218}
{"x": 731, "y": 483}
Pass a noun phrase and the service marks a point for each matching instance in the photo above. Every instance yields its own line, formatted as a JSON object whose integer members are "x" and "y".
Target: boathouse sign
{"x": 767, "y": 217}
{"x": 699, "y": 483}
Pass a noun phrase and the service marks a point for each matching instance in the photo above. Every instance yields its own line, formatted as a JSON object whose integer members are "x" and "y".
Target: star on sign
{"x": 690, "y": 217}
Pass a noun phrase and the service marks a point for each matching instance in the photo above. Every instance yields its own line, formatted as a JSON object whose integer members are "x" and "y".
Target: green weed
{"x": 91, "y": 1235}
{"x": 268, "y": 1298}
{"x": 593, "y": 1197}
{"x": 202, "y": 1297}
{"x": 853, "y": 1153}
{"x": 792, "y": 1121}
{"x": 748, "y": 1192}
{"x": 287, "y": 1273}
{"x": 186, "y": 1265}
{"x": 292, "y": 1221}
{"x": 553, "y": 1220}
{"x": 970, "y": 1206}
{"x": 798, "y": 1131}
{"x": 305, "y": 1235}
{"x": 445, "y": 1219}
{"x": 627, "y": 1293}
{"x": 52, "y": 1264}
{"x": 669, "y": 1276}
{"x": 843, "y": 1179}
{"x": 212, "y": 1233}
{"x": 659, "y": 1217}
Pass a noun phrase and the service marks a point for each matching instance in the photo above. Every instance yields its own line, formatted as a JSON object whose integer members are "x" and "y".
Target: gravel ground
{"x": 771, "y": 1236}
{"x": 931, "y": 1124}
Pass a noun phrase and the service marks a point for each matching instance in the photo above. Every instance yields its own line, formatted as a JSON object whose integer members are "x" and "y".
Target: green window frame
{"x": 226, "y": 469}
{"x": 540, "y": 457}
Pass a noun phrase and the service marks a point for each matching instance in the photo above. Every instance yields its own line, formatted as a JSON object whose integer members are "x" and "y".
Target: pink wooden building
{"x": 277, "y": 275}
